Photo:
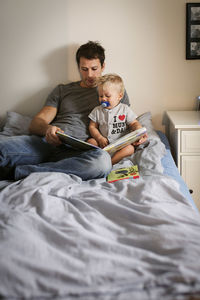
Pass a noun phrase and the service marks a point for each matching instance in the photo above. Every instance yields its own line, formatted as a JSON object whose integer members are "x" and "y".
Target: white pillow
{"x": 146, "y": 121}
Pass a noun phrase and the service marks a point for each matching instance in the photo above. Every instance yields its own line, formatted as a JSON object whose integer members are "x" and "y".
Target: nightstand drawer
{"x": 190, "y": 171}
{"x": 190, "y": 141}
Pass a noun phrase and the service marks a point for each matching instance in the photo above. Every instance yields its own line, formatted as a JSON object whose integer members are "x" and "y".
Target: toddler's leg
{"x": 92, "y": 141}
{"x": 124, "y": 152}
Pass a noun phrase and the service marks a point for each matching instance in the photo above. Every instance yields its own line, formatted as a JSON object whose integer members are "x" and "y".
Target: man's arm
{"x": 40, "y": 125}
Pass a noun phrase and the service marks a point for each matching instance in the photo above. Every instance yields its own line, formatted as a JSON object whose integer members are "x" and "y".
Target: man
{"x": 67, "y": 109}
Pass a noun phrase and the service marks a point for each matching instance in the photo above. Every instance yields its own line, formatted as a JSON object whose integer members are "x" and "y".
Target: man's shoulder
{"x": 125, "y": 99}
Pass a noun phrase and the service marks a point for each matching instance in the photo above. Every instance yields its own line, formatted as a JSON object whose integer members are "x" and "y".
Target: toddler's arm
{"x": 95, "y": 133}
{"x": 134, "y": 126}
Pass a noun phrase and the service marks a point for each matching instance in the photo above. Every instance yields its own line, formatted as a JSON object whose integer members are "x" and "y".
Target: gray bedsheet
{"x": 62, "y": 238}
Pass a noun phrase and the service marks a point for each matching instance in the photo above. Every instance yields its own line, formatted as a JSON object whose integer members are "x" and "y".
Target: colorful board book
{"x": 123, "y": 173}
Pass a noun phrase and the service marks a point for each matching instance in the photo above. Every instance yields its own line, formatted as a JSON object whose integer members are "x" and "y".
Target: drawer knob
{"x": 191, "y": 191}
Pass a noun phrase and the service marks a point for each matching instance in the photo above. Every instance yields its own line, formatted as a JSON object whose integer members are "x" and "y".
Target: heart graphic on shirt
{"x": 122, "y": 117}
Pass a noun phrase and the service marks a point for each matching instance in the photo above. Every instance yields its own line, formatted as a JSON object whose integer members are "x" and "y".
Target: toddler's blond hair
{"x": 112, "y": 79}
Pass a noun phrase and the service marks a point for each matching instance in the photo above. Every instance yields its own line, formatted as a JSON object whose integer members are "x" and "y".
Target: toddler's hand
{"x": 141, "y": 140}
{"x": 103, "y": 142}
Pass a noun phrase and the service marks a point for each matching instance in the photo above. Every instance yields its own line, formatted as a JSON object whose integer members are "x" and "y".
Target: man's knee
{"x": 104, "y": 163}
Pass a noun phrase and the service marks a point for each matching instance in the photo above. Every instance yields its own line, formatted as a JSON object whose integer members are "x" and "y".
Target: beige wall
{"x": 144, "y": 41}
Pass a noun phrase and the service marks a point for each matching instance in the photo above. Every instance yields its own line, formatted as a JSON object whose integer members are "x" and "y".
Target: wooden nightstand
{"x": 183, "y": 131}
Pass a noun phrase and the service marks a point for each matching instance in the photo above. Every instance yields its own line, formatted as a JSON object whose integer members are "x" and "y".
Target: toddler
{"x": 111, "y": 119}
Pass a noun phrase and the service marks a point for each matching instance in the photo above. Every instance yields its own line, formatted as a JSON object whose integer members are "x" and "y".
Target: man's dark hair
{"x": 91, "y": 50}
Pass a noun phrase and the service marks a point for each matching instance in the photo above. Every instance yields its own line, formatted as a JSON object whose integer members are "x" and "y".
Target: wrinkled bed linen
{"x": 62, "y": 238}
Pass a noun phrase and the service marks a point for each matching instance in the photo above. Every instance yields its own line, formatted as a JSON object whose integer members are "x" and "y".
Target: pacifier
{"x": 105, "y": 104}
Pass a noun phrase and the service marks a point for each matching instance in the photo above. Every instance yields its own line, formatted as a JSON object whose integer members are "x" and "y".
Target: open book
{"x": 125, "y": 140}
{"x": 74, "y": 142}
{"x": 120, "y": 143}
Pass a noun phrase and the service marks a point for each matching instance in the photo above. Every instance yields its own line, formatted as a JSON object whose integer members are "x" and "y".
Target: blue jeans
{"x": 28, "y": 154}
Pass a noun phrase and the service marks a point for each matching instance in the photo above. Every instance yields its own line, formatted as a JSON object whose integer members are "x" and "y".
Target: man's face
{"x": 90, "y": 70}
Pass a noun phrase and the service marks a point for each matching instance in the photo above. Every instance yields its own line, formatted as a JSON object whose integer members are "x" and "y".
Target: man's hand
{"x": 51, "y": 136}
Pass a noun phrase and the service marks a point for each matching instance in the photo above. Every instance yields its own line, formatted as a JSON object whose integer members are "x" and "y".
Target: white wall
{"x": 144, "y": 42}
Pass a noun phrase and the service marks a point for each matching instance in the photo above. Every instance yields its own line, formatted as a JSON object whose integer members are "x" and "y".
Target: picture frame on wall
{"x": 192, "y": 30}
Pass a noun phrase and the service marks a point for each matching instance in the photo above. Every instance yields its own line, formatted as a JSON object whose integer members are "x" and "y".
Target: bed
{"x": 64, "y": 238}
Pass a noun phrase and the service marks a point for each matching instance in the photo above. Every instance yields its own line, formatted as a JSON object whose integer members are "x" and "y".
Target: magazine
{"x": 123, "y": 173}
{"x": 127, "y": 139}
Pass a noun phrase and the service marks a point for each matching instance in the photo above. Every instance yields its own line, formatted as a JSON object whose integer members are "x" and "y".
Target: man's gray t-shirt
{"x": 74, "y": 103}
